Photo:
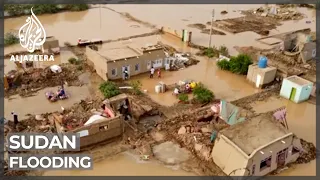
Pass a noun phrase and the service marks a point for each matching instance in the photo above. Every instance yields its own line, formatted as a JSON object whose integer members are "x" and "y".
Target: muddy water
{"x": 38, "y": 104}
{"x": 190, "y": 14}
{"x": 224, "y": 84}
{"x": 301, "y": 117}
{"x": 69, "y": 26}
{"x": 124, "y": 164}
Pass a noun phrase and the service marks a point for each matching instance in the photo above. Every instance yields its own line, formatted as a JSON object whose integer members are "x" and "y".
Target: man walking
{"x": 151, "y": 72}
{"x": 15, "y": 119}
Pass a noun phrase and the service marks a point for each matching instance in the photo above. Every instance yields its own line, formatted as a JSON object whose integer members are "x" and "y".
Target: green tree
{"x": 136, "y": 87}
{"x": 202, "y": 94}
{"x": 10, "y": 38}
{"x": 183, "y": 97}
{"x": 109, "y": 89}
{"x": 224, "y": 65}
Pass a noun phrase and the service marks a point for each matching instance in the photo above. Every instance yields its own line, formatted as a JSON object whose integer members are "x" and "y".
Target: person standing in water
{"x": 15, "y": 119}
{"x": 159, "y": 73}
{"x": 151, "y": 72}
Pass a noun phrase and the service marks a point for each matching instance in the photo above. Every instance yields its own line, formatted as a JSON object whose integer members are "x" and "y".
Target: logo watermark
{"x": 32, "y": 36}
{"x": 49, "y": 160}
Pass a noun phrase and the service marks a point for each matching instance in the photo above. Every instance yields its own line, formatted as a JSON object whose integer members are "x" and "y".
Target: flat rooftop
{"x": 118, "y": 53}
{"x": 298, "y": 80}
{"x": 254, "y": 133}
{"x": 268, "y": 68}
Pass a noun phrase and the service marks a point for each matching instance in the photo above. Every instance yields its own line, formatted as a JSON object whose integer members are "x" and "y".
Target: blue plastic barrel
{"x": 263, "y": 61}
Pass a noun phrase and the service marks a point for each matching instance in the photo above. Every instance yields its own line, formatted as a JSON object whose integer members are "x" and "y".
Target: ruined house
{"x": 228, "y": 112}
{"x": 50, "y": 46}
{"x": 111, "y": 63}
{"x": 294, "y": 43}
{"x": 255, "y": 147}
{"x": 100, "y": 129}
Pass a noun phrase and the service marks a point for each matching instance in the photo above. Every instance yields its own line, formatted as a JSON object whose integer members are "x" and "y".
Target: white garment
{"x": 152, "y": 70}
{"x": 176, "y": 91}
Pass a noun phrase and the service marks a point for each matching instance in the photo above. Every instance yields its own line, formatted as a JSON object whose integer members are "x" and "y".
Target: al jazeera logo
{"x": 32, "y": 37}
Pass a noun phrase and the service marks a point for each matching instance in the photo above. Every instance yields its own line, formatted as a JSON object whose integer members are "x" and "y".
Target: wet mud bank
{"x": 28, "y": 81}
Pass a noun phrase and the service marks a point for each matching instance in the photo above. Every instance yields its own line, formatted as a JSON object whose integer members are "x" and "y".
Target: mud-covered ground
{"x": 205, "y": 30}
{"x": 26, "y": 82}
{"x": 288, "y": 65}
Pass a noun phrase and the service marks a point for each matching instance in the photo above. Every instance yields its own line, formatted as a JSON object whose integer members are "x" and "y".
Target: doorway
{"x": 258, "y": 81}
{"x": 293, "y": 94}
{"x": 123, "y": 69}
{"x": 281, "y": 157}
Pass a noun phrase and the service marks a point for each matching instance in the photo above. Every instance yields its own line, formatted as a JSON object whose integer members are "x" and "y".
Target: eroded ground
{"x": 173, "y": 119}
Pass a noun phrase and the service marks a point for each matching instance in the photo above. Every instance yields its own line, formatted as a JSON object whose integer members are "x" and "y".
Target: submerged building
{"x": 296, "y": 89}
{"x": 255, "y": 147}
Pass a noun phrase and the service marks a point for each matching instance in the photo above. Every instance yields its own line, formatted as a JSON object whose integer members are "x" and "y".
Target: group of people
{"x": 152, "y": 70}
{"x": 60, "y": 94}
{"x": 187, "y": 89}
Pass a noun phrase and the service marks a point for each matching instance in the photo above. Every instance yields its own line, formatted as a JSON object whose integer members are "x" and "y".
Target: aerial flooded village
{"x": 223, "y": 90}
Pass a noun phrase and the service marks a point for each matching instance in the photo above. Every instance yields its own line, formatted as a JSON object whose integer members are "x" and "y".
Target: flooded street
{"x": 224, "y": 84}
{"x": 39, "y": 104}
{"x": 201, "y": 14}
{"x": 124, "y": 164}
{"x": 69, "y": 26}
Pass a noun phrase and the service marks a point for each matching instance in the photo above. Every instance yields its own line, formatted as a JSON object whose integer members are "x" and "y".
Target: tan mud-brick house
{"x": 255, "y": 147}
{"x": 110, "y": 63}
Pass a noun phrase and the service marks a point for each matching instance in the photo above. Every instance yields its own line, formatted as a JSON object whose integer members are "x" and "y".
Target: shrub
{"x": 211, "y": 52}
{"x": 72, "y": 60}
{"x": 136, "y": 87}
{"x": 77, "y": 7}
{"x": 24, "y": 9}
{"x": 183, "y": 97}
{"x": 109, "y": 89}
{"x": 238, "y": 64}
{"x": 223, "y": 50}
{"x": 10, "y": 38}
{"x": 202, "y": 94}
{"x": 80, "y": 68}
{"x": 224, "y": 64}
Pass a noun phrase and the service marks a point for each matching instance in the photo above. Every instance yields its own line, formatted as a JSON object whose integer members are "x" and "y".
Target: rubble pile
{"x": 281, "y": 13}
{"x": 34, "y": 124}
{"x": 33, "y": 79}
{"x": 309, "y": 154}
{"x": 79, "y": 113}
{"x": 206, "y": 30}
{"x": 193, "y": 130}
{"x": 261, "y": 96}
{"x": 258, "y": 24}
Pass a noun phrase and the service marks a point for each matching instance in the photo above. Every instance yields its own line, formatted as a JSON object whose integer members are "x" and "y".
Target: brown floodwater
{"x": 124, "y": 164}
{"x": 225, "y": 85}
{"x": 38, "y": 104}
{"x": 161, "y": 15}
{"x": 69, "y": 26}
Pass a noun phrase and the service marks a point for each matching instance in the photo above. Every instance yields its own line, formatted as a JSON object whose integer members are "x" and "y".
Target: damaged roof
{"x": 253, "y": 133}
